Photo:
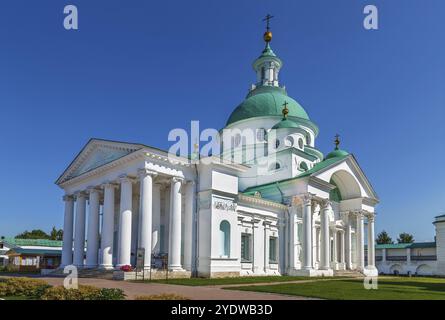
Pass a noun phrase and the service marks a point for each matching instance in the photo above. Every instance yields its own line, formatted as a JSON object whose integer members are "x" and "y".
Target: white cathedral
{"x": 129, "y": 203}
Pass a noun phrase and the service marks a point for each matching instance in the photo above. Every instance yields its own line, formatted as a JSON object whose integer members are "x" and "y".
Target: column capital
{"x": 93, "y": 189}
{"x": 68, "y": 197}
{"x": 146, "y": 172}
{"x": 177, "y": 179}
{"x": 125, "y": 178}
{"x": 371, "y": 217}
{"x": 108, "y": 184}
{"x": 307, "y": 199}
{"x": 326, "y": 204}
{"x": 80, "y": 194}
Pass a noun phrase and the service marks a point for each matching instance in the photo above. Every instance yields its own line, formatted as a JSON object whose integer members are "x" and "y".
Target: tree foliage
{"x": 405, "y": 238}
{"x": 55, "y": 234}
{"x": 384, "y": 238}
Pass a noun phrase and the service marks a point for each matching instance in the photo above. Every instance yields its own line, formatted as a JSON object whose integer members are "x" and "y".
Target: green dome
{"x": 266, "y": 101}
{"x": 336, "y": 153}
{"x": 286, "y": 124}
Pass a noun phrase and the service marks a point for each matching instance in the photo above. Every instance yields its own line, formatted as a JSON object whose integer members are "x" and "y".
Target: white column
{"x": 106, "y": 250}
{"x": 146, "y": 211}
{"x": 93, "y": 229}
{"x": 383, "y": 255}
{"x": 371, "y": 245}
{"x": 348, "y": 242}
{"x": 156, "y": 220}
{"x": 334, "y": 247}
{"x": 325, "y": 243}
{"x": 307, "y": 232}
{"x": 124, "y": 251}
{"x": 188, "y": 224}
{"x": 67, "y": 250}
{"x": 293, "y": 240}
{"x": 342, "y": 248}
{"x": 266, "y": 246}
{"x": 360, "y": 242}
{"x": 174, "y": 253}
{"x": 79, "y": 235}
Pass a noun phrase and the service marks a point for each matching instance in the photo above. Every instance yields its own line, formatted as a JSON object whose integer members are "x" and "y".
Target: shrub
{"x": 23, "y": 287}
{"x": 111, "y": 294}
{"x": 3, "y": 289}
{"x": 83, "y": 293}
{"x": 164, "y": 296}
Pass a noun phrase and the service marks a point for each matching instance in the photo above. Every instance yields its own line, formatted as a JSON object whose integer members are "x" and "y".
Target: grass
{"x": 388, "y": 289}
{"x": 17, "y": 298}
{"x": 227, "y": 281}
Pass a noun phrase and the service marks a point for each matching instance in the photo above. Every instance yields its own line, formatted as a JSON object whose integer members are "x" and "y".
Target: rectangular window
{"x": 245, "y": 247}
{"x": 273, "y": 250}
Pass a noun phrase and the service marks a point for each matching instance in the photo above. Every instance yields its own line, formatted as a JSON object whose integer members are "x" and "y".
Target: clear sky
{"x": 136, "y": 69}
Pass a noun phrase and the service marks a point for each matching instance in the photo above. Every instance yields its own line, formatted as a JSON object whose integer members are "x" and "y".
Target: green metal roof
{"x": 406, "y": 245}
{"x": 323, "y": 164}
{"x": 36, "y": 251}
{"x": 267, "y": 101}
{"x": 319, "y": 166}
{"x": 286, "y": 124}
{"x": 337, "y": 153}
{"x": 32, "y": 242}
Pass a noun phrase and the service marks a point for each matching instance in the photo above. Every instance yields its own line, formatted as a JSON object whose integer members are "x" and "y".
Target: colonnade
{"x": 99, "y": 235}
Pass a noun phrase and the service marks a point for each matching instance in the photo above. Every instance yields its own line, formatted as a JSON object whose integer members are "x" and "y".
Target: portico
{"x": 106, "y": 218}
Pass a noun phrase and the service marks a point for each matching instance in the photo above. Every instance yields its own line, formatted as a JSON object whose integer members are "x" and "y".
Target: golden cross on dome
{"x": 285, "y": 110}
{"x": 337, "y": 141}
{"x": 267, "y": 19}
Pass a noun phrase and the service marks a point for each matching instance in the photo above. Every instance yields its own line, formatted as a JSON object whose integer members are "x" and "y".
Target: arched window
{"x": 224, "y": 229}
{"x": 304, "y": 166}
{"x": 300, "y": 143}
{"x": 289, "y": 141}
{"x": 275, "y": 166}
{"x": 260, "y": 134}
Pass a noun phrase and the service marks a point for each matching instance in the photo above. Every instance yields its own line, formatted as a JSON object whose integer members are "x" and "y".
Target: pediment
{"x": 347, "y": 173}
{"x": 95, "y": 154}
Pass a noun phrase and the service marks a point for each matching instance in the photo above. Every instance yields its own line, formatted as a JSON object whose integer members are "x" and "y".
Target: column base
{"x": 370, "y": 271}
{"x": 106, "y": 267}
{"x": 175, "y": 269}
{"x": 311, "y": 273}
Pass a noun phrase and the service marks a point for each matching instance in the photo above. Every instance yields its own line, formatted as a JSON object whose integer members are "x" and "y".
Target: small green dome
{"x": 336, "y": 153}
{"x": 286, "y": 124}
{"x": 266, "y": 101}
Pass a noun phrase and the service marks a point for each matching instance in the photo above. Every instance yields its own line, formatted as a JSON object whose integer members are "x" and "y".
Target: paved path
{"x": 133, "y": 289}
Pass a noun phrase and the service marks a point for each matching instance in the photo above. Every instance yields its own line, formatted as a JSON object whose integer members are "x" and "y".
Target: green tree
{"x": 34, "y": 234}
{"x": 405, "y": 238}
{"x": 56, "y": 234}
{"x": 384, "y": 238}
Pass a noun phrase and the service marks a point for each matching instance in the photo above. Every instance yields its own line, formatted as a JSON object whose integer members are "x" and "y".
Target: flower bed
{"x": 39, "y": 289}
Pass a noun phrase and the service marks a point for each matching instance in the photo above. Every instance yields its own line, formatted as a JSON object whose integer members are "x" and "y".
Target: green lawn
{"x": 16, "y": 298}
{"x": 227, "y": 281}
{"x": 388, "y": 289}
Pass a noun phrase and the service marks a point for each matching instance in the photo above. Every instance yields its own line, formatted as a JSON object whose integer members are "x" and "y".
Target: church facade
{"x": 289, "y": 211}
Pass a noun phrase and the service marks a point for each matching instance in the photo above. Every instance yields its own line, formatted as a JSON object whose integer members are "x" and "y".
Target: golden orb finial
{"x": 268, "y": 34}
{"x": 285, "y": 110}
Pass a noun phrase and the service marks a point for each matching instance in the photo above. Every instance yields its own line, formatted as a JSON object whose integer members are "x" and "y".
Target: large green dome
{"x": 266, "y": 101}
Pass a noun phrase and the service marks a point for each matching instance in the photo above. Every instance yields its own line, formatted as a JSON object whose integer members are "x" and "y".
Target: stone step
{"x": 348, "y": 273}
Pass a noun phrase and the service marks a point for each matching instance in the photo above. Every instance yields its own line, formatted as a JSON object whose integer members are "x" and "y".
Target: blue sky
{"x": 136, "y": 69}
